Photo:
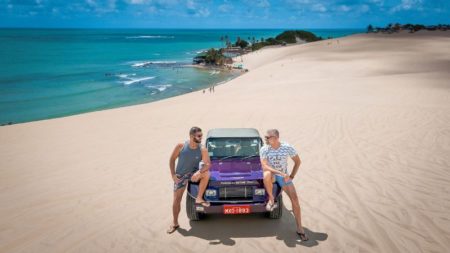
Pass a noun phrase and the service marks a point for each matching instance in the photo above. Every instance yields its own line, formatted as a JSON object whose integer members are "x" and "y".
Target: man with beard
{"x": 189, "y": 155}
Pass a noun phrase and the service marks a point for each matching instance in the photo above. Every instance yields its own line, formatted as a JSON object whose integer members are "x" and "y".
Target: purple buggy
{"x": 236, "y": 182}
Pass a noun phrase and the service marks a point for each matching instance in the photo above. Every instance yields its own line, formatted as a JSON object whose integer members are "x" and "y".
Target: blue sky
{"x": 220, "y": 13}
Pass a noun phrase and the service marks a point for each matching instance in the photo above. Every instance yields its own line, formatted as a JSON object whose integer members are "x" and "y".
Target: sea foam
{"x": 148, "y": 63}
{"x": 150, "y": 37}
{"x": 129, "y": 80}
{"x": 160, "y": 87}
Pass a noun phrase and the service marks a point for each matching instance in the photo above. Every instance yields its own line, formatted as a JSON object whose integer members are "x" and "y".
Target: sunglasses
{"x": 268, "y": 137}
{"x": 198, "y": 136}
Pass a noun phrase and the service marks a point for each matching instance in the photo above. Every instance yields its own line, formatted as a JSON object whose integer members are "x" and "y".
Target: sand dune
{"x": 369, "y": 115}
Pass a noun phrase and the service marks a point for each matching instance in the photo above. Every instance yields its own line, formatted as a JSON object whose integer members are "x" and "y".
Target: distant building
{"x": 232, "y": 51}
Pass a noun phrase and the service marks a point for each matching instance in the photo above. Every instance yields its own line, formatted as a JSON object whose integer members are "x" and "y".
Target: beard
{"x": 197, "y": 141}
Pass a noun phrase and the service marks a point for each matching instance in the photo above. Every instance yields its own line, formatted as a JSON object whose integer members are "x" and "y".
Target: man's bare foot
{"x": 172, "y": 228}
{"x": 302, "y": 235}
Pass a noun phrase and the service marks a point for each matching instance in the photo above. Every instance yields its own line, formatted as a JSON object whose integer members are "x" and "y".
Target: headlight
{"x": 260, "y": 192}
{"x": 210, "y": 193}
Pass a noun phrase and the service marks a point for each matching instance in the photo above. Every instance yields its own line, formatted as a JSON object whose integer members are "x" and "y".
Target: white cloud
{"x": 406, "y": 5}
{"x": 197, "y": 10}
{"x": 299, "y": 1}
{"x": 137, "y": 1}
{"x": 355, "y": 9}
{"x": 263, "y": 4}
{"x": 102, "y": 7}
{"x": 152, "y": 10}
{"x": 190, "y": 4}
{"x": 225, "y": 7}
{"x": 377, "y": 2}
{"x": 91, "y": 3}
{"x": 344, "y": 8}
{"x": 363, "y": 8}
{"x": 203, "y": 12}
{"x": 319, "y": 7}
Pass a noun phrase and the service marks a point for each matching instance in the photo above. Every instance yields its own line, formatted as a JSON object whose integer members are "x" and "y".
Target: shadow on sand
{"x": 220, "y": 229}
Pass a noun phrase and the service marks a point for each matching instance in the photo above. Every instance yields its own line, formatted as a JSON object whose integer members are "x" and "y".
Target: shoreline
{"x": 233, "y": 74}
{"x": 240, "y": 72}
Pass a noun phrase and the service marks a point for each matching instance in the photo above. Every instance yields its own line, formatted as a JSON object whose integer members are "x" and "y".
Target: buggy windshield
{"x": 233, "y": 147}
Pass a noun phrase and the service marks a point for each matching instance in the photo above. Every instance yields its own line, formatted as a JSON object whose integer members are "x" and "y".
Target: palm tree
{"x": 214, "y": 57}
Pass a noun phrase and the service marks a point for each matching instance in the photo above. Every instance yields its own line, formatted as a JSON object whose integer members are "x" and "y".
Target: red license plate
{"x": 236, "y": 209}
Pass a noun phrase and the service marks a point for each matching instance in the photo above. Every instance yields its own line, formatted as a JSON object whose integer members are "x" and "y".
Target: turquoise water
{"x": 48, "y": 73}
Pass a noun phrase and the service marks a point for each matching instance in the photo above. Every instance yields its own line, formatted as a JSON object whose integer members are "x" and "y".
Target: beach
{"x": 369, "y": 115}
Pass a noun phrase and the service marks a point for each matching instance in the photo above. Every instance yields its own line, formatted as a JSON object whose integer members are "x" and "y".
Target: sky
{"x": 206, "y": 14}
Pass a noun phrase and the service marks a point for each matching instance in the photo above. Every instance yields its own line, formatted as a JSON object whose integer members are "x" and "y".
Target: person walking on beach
{"x": 189, "y": 155}
{"x": 274, "y": 161}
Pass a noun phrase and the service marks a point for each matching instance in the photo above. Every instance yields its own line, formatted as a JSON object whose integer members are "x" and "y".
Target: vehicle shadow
{"x": 220, "y": 229}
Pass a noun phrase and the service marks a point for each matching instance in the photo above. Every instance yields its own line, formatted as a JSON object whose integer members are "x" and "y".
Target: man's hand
{"x": 297, "y": 162}
{"x": 173, "y": 157}
{"x": 175, "y": 178}
{"x": 286, "y": 177}
{"x": 196, "y": 176}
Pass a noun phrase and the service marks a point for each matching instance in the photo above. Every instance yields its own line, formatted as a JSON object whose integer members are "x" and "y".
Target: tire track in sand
{"x": 367, "y": 219}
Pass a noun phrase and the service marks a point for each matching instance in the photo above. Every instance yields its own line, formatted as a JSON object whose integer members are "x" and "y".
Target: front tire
{"x": 277, "y": 212}
{"x": 192, "y": 214}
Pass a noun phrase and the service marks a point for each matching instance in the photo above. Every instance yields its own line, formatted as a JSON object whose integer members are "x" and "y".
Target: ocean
{"x": 49, "y": 73}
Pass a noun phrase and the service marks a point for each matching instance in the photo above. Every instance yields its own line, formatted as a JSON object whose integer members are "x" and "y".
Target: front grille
{"x": 234, "y": 193}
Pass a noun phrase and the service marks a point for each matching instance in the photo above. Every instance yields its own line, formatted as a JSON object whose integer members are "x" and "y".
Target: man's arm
{"x": 206, "y": 160}
{"x": 173, "y": 157}
{"x": 297, "y": 163}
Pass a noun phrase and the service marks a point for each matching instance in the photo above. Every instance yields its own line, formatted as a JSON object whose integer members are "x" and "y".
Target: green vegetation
{"x": 211, "y": 57}
{"x": 293, "y": 36}
{"x": 241, "y": 43}
{"x": 287, "y": 37}
{"x": 214, "y": 57}
{"x": 391, "y": 28}
{"x": 217, "y": 57}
